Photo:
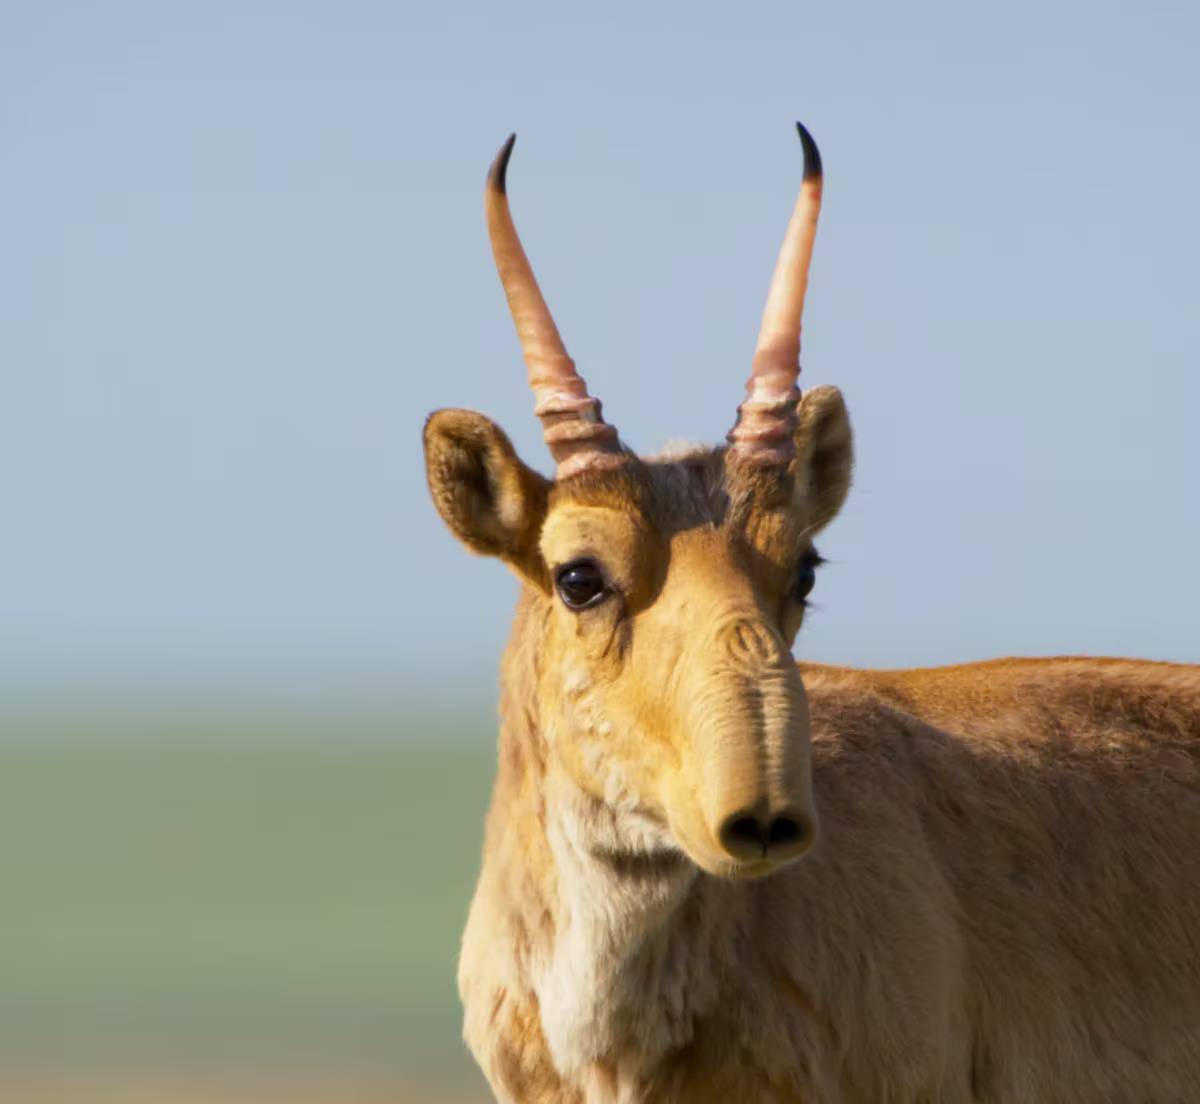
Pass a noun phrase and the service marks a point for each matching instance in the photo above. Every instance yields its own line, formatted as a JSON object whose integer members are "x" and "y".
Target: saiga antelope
{"x": 713, "y": 875}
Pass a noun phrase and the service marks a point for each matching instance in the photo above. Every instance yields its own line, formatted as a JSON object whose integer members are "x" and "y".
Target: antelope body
{"x": 713, "y": 875}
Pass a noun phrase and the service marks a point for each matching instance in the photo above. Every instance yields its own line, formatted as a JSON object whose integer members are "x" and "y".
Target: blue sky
{"x": 244, "y": 256}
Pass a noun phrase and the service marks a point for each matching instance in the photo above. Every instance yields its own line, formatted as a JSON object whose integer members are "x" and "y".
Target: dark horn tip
{"x": 812, "y": 156}
{"x": 499, "y": 169}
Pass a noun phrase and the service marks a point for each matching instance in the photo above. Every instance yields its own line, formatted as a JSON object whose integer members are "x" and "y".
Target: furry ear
{"x": 824, "y": 454}
{"x": 488, "y": 498}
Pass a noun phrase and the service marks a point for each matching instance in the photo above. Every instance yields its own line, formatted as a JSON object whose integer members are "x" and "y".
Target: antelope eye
{"x": 581, "y": 584}
{"x": 806, "y": 576}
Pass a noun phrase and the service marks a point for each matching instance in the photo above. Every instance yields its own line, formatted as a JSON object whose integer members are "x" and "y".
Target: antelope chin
{"x": 753, "y": 870}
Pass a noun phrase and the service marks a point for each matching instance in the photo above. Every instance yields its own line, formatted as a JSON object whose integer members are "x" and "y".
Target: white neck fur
{"x": 624, "y": 982}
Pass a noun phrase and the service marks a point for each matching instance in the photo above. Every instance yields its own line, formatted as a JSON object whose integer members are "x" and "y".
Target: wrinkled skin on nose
{"x": 743, "y": 801}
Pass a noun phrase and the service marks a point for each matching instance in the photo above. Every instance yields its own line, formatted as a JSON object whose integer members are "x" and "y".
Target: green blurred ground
{"x": 237, "y": 902}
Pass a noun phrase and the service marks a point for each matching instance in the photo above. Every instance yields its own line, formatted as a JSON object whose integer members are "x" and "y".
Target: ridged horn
{"x": 766, "y": 424}
{"x": 576, "y": 434}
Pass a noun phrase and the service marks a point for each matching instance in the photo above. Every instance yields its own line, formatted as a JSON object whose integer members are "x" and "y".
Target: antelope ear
{"x": 489, "y": 499}
{"x": 824, "y": 455}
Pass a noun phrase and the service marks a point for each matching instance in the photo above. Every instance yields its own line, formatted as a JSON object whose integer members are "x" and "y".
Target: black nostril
{"x": 744, "y": 836}
{"x": 749, "y": 837}
{"x": 784, "y": 830}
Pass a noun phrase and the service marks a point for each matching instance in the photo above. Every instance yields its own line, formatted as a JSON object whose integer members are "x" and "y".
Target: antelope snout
{"x": 750, "y": 750}
{"x": 754, "y": 834}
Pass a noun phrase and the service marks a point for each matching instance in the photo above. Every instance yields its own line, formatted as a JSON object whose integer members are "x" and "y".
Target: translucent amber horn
{"x": 578, "y": 438}
{"x": 766, "y": 424}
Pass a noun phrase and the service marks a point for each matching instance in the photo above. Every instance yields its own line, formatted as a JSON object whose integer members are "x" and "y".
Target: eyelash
{"x": 806, "y": 575}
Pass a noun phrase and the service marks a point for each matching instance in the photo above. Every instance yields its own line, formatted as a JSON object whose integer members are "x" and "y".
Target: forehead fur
{"x": 701, "y": 489}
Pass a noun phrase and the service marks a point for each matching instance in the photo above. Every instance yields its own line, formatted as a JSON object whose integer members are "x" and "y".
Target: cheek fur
{"x": 602, "y": 758}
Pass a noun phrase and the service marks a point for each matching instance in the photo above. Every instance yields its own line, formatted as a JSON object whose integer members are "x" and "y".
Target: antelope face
{"x": 662, "y": 596}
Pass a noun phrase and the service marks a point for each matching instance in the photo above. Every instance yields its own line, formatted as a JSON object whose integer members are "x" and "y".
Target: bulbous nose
{"x": 750, "y": 834}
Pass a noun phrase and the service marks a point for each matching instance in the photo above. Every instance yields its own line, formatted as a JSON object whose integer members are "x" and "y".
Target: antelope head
{"x": 662, "y": 595}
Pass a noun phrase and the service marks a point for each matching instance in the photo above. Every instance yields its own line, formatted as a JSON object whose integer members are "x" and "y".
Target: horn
{"x": 577, "y": 436}
{"x": 766, "y": 424}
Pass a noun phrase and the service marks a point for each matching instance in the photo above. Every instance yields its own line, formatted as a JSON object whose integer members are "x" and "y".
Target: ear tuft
{"x": 487, "y": 497}
{"x": 824, "y": 454}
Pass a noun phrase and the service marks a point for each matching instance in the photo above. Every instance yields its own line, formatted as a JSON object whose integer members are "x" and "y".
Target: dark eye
{"x": 806, "y": 576}
{"x": 580, "y": 584}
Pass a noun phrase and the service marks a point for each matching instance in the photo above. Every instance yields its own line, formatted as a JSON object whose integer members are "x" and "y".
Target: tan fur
{"x": 1002, "y": 902}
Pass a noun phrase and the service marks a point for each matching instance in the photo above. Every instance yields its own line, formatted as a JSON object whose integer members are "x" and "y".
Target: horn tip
{"x": 813, "y": 169}
{"x": 498, "y": 173}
